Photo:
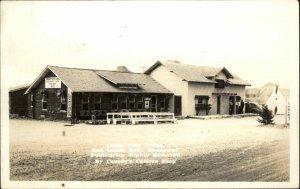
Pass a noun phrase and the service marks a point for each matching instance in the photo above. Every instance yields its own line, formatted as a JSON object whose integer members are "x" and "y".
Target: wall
{"x": 53, "y": 102}
{"x": 221, "y": 75}
{"x": 198, "y": 89}
{"x": 238, "y": 89}
{"x": 207, "y": 89}
{"x": 18, "y": 102}
{"x": 174, "y": 84}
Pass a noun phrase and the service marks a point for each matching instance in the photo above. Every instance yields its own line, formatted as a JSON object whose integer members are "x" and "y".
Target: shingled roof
{"x": 90, "y": 80}
{"x": 195, "y": 73}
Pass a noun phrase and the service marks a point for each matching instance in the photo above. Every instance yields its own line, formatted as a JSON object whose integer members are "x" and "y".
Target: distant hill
{"x": 261, "y": 95}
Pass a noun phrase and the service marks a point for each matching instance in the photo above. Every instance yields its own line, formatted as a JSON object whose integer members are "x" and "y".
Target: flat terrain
{"x": 231, "y": 149}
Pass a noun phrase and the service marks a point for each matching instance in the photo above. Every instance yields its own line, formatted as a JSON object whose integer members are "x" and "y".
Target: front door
{"x": 177, "y": 106}
{"x": 153, "y": 104}
{"x": 218, "y": 104}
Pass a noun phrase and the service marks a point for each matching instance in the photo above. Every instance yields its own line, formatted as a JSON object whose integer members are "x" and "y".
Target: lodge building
{"x": 64, "y": 93}
{"x": 200, "y": 90}
{"x": 187, "y": 90}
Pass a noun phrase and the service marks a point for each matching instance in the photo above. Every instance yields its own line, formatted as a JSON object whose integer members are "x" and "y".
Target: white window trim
{"x": 43, "y": 100}
{"x": 62, "y": 103}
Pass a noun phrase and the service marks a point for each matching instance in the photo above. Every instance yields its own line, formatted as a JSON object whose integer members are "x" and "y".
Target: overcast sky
{"x": 258, "y": 41}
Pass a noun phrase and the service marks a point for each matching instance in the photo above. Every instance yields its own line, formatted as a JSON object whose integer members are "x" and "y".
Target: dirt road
{"x": 211, "y": 150}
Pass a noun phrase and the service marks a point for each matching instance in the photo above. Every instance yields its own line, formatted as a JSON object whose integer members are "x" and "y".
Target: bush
{"x": 266, "y": 116}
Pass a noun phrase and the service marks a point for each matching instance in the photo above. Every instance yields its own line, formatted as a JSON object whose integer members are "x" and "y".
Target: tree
{"x": 266, "y": 116}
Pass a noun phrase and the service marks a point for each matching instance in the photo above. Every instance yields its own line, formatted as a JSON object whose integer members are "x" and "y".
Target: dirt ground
{"x": 230, "y": 149}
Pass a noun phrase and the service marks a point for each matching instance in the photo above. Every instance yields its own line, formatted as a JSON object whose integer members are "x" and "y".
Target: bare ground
{"x": 212, "y": 150}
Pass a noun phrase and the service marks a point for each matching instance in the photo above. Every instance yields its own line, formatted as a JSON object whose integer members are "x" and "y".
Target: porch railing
{"x": 140, "y": 117}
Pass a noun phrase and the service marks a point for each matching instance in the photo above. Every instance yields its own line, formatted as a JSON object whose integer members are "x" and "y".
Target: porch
{"x": 88, "y": 105}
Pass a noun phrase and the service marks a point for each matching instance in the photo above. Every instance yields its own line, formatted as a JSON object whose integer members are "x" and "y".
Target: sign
{"x": 221, "y": 94}
{"x": 69, "y": 103}
{"x": 147, "y": 104}
{"x": 52, "y": 82}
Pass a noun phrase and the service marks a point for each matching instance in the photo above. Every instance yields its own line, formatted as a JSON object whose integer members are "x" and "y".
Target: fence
{"x": 140, "y": 117}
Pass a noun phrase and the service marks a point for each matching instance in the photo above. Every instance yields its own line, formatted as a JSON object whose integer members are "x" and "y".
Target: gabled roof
{"x": 89, "y": 80}
{"x": 195, "y": 73}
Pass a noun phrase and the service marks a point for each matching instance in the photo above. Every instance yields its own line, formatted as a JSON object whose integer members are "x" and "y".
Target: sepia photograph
{"x": 150, "y": 94}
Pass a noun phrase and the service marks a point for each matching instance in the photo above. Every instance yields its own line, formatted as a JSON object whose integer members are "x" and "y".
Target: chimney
{"x": 123, "y": 69}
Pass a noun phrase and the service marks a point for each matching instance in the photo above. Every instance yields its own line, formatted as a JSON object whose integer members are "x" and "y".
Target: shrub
{"x": 266, "y": 116}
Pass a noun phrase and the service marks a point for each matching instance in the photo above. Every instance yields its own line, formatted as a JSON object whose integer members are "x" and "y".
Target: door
{"x": 218, "y": 104}
{"x": 153, "y": 104}
{"x": 177, "y": 106}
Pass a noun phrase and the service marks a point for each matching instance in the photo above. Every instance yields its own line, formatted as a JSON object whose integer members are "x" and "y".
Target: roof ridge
{"x": 121, "y": 72}
{"x": 92, "y": 69}
{"x": 184, "y": 64}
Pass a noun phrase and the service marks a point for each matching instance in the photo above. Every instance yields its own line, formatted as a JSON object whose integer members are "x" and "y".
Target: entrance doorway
{"x": 177, "y": 106}
{"x": 153, "y": 104}
{"x": 218, "y": 104}
{"x": 231, "y": 105}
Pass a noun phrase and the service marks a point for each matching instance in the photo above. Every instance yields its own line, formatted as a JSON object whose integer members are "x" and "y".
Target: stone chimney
{"x": 143, "y": 69}
{"x": 123, "y": 69}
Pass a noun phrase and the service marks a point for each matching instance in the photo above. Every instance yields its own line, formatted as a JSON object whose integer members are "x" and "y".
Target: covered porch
{"x": 96, "y": 105}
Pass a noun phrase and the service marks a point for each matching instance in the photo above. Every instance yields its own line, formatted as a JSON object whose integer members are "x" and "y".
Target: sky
{"x": 256, "y": 40}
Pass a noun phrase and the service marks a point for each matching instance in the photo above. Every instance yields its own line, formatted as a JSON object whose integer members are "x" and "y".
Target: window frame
{"x": 139, "y": 102}
{"x": 45, "y": 100}
{"x": 162, "y": 100}
{"x": 63, "y": 95}
{"x": 31, "y": 100}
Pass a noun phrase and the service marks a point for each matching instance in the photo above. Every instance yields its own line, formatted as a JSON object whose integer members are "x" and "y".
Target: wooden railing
{"x": 140, "y": 117}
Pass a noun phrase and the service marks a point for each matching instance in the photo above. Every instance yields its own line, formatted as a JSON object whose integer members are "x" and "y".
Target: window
{"x": 220, "y": 83}
{"x": 128, "y": 86}
{"x": 85, "y": 102}
{"x": 201, "y": 101}
{"x": 31, "y": 100}
{"x": 123, "y": 102}
{"x": 44, "y": 100}
{"x": 140, "y": 102}
{"x": 162, "y": 103}
{"x": 63, "y": 101}
{"x": 97, "y": 102}
{"x": 114, "y": 103}
{"x": 131, "y": 102}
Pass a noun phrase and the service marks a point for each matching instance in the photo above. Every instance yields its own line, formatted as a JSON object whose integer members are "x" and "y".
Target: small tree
{"x": 266, "y": 116}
